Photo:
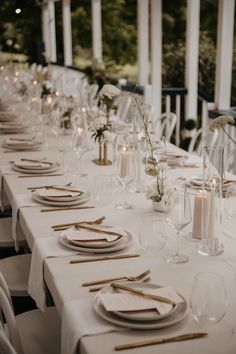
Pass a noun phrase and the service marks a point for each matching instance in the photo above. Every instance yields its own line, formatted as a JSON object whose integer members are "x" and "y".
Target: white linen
{"x": 43, "y": 248}
{"x": 4, "y": 170}
{"x": 19, "y": 201}
{"x": 78, "y": 320}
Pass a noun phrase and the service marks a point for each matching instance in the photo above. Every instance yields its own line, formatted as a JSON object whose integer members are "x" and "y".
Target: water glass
{"x": 152, "y": 234}
{"x": 103, "y": 190}
{"x": 208, "y": 300}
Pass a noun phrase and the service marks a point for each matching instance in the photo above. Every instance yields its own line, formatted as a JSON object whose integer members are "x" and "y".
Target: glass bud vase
{"x": 102, "y": 155}
{"x": 211, "y": 210}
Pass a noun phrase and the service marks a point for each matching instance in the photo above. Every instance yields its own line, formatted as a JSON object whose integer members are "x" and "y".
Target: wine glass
{"x": 79, "y": 144}
{"x": 152, "y": 234}
{"x": 125, "y": 172}
{"x": 208, "y": 300}
{"x": 179, "y": 217}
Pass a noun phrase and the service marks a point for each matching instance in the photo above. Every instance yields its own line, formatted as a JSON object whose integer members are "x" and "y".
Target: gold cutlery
{"x": 124, "y": 277}
{"x": 56, "y": 188}
{"x": 25, "y": 150}
{"x": 40, "y": 161}
{"x": 104, "y": 258}
{"x": 145, "y": 343}
{"x": 69, "y": 208}
{"x": 60, "y": 227}
{"x": 142, "y": 293}
{"x": 97, "y": 288}
{"x": 99, "y": 231}
{"x": 41, "y": 175}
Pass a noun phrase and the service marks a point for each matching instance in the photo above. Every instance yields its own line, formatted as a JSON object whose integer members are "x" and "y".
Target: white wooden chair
{"x": 5, "y": 344}
{"x": 165, "y": 125}
{"x": 202, "y": 137}
{"x": 123, "y": 105}
{"x": 32, "y": 331}
{"x": 15, "y": 269}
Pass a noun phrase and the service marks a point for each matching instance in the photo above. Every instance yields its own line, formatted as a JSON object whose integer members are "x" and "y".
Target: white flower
{"x": 48, "y": 85}
{"x": 167, "y": 193}
{"x": 110, "y": 91}
{"x": 219, "y": 122}
{"x": 109, "y": 136}
{"x": 99, "y": 122}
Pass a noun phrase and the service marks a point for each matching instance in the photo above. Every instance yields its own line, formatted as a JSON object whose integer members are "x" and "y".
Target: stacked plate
{"x": 138, "y": 319}
{"x": 197, "y": 182}
{"x": 35, "y": 166}
{"x": 13, "y": 127}
{"x": 60, "y": 198}
{"x": 7, "y": 117}
{"x": 22, "y": 144}
{"x": 86, "y": 241}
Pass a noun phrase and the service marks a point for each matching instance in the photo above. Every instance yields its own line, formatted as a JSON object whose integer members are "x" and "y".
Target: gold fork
{"x": 97, "y": 288}
{"x": 109, "y": 280}
{"x": 61, "y": 227}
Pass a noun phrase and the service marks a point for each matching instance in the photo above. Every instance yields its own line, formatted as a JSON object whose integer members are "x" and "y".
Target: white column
{"x": 97, "y": 30}
{"x": 45, "y": 30}
{"x": 224, "y": 57}
{"x": 156, "y": 55}
{"x": 143, "y": 41}
{"x": 192, "y": 52}
{"x": 67, "y": 35}
{"x": 52, "y": 31}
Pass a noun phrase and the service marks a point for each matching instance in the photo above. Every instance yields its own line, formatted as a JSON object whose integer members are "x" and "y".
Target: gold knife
{"x": 142, "y": 293}
{"x": 104, "y": 258}
{"x": 145, "y": 343}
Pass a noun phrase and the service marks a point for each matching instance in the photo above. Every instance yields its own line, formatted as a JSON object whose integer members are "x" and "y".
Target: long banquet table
{"x": 64, "y": 280}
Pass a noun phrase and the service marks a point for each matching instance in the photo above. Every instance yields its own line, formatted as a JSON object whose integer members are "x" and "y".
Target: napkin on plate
{"x": 73, "y": 234}
{"x": 43, "y": 248}
{"x": 123, "y": 301}
{"x": 79, "y": 319}
{"x": 57, "y": 193}
{"x": 26, "y": 164}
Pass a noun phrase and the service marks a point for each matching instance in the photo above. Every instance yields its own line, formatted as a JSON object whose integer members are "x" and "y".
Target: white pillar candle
{"x": 124, "y": 163}
{"x": 79, "y": 137}
{"x": 200, "y": 214}
{"x": 212, "y": 214}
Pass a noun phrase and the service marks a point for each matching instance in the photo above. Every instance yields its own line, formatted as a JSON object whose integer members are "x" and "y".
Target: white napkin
{"x": 83, "y": 235}
{"x": 4, "y": 170}
{"x": 29, "y": 165}
{"x": 43, "y": 248}
{"x": 79, "y": 319}
{"x": 57, "y": 193}
{"x": 19, "y": 201}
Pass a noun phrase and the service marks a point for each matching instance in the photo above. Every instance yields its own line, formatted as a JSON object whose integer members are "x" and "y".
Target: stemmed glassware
{"x": 125, "y": 172}
{"x": 79, "y": 142}
{"x": 152, "y": 234}
{"x": 179, "y": 217}
{"x": 208, "y": 300}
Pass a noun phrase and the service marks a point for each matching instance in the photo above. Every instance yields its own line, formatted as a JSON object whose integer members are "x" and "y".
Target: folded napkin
{"x": 43, "y": 248}
{"x": 19, "y": 201}
{"x": 123, "y": 301}
{"x": 79, "y": 319}
{"x": 57, "y": 193}
{"x": 28, "y": 165}
{"x": 20, "y": 143}
{"x": 73, "y": 234}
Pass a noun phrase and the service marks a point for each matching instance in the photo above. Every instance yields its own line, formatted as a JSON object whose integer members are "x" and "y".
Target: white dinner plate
{"x": 143, "y": 315}
{"x": 178, "y": 315}
{"x": 82, "y": 199}
{"x": 22, "y": 147}
{"x": 125, "y": 242}
{"x": 34, "y": 171}
{"x": 13, "y": 129}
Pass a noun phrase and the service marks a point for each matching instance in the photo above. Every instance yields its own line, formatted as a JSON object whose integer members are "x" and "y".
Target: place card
{"x": 130, "y": 302}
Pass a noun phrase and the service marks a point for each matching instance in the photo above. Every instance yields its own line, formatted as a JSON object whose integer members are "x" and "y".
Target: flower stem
{"x": 229, "y": 136}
